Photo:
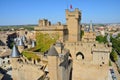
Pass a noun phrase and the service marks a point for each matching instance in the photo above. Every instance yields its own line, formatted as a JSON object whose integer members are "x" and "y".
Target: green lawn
{"x": 30, "y": 55}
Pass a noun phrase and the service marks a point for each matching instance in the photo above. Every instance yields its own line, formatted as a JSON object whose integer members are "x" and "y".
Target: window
{"x": 8, "y": 61}
{"x": 3, "y": 62}
{"x": 79, "y": 56}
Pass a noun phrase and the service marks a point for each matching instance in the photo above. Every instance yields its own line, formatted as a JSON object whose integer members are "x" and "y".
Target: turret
{"x": 44, "y": 22}
{"x": 20, "y": 45}
{"x": 53, "y": 63}
{"x": 91, "y": 28}
{"x": 15, "y": 56}
{"x": 33, "y": 44}
{"x": 15, "y": 53}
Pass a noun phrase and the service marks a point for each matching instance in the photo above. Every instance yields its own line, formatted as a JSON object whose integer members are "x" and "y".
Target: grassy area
{"x": 28, "y": 27}
{"x": 30, "y": 55}
{"x": 110, "y": 64}
{"x": 44, "y": 41}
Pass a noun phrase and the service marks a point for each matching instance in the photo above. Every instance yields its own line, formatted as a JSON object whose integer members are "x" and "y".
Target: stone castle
{"x": 72, "y": 57}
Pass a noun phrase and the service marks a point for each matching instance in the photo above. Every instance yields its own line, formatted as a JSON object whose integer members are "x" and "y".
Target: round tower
{"x": 15, "y": 56}
{"x": 33, "y": 44}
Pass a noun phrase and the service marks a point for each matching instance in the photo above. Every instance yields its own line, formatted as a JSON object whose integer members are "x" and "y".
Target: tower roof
{"x": 20, "y": 42}
{"x": 33, "y": 43}
{"x": 23, "y": 38}
{"x": 91, "y": 28}
{"x": 52, "y": 52}
{"x": 15, "y": 52}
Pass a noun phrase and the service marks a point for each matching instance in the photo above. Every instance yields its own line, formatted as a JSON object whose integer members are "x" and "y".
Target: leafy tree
{"x": 101, "y": 39}
{"x": 113, "y": 56}
{"x": 82, "y": 33}
{"x": 11, "y": 45}
{"x": 116, "y": 43}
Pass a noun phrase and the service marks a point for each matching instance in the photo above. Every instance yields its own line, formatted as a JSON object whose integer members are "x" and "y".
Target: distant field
{"x": 28, "y": 27}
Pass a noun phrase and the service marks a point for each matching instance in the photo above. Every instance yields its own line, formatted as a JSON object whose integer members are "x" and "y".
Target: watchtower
{"x": 73, "y": 19}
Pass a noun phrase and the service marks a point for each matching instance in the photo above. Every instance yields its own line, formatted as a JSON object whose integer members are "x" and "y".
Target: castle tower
{"x": 89, "y": 35}
{"x": 73, "y": 19}
{"x": 91, "y": 28}
{"x": 44, "y": 22}
{"x": 53, "y": 64}
{"x": 15, "y": 55}
{"x": 20, "y": 45}
{"x": 33, "y": 44}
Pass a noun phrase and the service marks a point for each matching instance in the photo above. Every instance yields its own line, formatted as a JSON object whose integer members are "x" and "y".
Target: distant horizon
{"x": 53, "y": 23}
{"x": 23, "y": 12}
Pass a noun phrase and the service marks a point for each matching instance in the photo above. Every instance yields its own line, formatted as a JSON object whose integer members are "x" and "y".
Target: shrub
{"x": 113, "y": 56}
{"x": 30, "y": 55}
{"x": 101, "y": 39}
{"x": 110, "y": 63}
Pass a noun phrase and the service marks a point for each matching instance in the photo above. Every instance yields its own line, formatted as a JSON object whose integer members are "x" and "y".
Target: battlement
{"x": 44, "y": 22}
{"x": 51, "y": 28}
{"x": 76, "y": 13}
{"x": 47, "y": 23}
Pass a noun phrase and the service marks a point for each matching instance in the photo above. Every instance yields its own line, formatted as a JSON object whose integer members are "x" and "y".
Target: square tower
{"x": 73, "y": 19}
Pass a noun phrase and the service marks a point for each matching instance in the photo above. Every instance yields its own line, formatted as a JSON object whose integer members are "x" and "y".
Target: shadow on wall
{"x": 71, "y": 74}
{"x": 7, "y": 77}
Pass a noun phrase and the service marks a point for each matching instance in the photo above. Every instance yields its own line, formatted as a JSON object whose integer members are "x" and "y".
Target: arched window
{"x": 79, "y": 56}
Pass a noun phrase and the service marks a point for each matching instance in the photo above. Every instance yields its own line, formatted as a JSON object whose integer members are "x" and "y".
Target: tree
{"x": 101, "y": 39}
{"x": 116, "y": 43}
{"x": 113, "y": 56}
{"x": 81, "y": 34}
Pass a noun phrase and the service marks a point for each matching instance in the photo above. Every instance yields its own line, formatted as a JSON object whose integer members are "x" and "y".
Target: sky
{"x": 20, "y": 12}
